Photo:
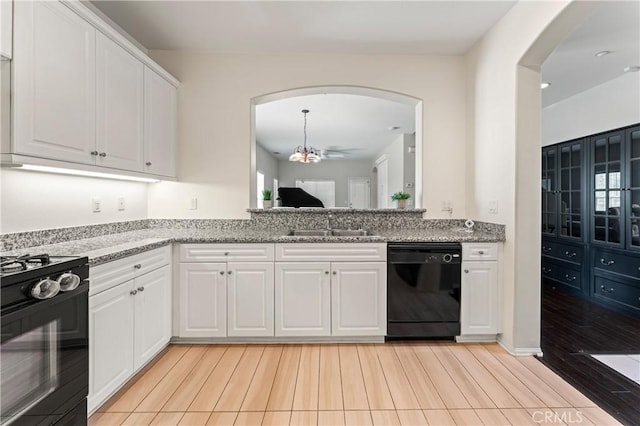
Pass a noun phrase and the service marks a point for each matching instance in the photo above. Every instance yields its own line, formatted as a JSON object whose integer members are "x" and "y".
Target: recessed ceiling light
{"x": 602, "y": 53}
{"x": 634, "y": 68}
{"x": 394, "y": 128}
{"x": 544, "y": 85}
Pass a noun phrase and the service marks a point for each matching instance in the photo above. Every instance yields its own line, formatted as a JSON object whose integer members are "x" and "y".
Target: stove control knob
{"x": 68, "y": 281}
{"x": 447, "y": 258}
{"x": 45, "y": 289}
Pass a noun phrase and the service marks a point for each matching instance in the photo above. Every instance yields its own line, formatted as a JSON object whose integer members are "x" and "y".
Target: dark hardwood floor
{"x": 573, "y": 328}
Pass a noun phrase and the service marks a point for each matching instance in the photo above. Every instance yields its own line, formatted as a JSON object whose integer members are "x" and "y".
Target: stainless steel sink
{"x": 328, "y": 233}
{"x": 310, "y": 233}
{"x": 350, "y": 233}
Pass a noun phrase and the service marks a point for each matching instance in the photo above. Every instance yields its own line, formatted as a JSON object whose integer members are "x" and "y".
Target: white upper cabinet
{"x": 54, "y": 72}
{"x": 6, "y": 28}
{"x": 159, "y": 125}
{"x": 119, "y": 106}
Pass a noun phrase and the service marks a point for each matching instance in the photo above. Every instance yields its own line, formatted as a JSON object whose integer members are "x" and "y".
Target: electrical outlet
{"x": 493, "y": 207}
{"x": 96, "y": 204}
{"x": 446, "y": 206}
{"x": 193, "y": 205}
{"x": 120, "y": 203}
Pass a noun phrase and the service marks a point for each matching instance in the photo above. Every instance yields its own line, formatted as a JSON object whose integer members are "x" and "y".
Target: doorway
{"x": 359, "y": 192}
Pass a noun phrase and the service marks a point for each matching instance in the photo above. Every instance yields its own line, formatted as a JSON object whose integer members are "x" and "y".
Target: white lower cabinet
{"x": 359, "y": 299}
{"x": 303, "y": 299}
{"x": 250, "y": 299}
{"x": 221, "y": 298}
{"x": 129, "y": 321}
{"x": 203, "y": 300}
{"x": 480, "y": 295}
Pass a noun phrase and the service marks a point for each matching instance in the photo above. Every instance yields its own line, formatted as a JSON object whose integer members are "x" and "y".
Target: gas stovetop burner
{"x": 11, "y": 264}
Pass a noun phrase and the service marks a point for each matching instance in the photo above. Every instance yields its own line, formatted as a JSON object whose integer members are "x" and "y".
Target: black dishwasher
{"x": 423, "y": 290}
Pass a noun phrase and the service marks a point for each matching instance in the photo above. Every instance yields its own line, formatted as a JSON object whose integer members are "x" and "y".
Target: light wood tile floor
{"x": 346, "y": 384}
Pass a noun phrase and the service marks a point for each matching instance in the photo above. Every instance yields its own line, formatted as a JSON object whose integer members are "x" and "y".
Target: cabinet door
{"x": 608, "y": 184}
{"x": 203, "y": 300}
{"x": 358, "y": 299}
{"x": 6, "y": 28}
{"x": 571, "y": 170}
{"x": 54, "y": 94}
{"x": 152, "y": 314}
{"x": 250, "y": 299}
{"x": 479, "y": 298}
{"x": 119, "y": 112}
{"x": 303, "y": 299}
{"x": 110, "y": 341}
{"x": 160, "y": 117}
{"x": 633, "y": 203}
{"x": 549, "y": 192}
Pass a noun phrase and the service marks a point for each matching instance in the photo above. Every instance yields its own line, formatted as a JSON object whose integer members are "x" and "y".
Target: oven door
{"x": 44, "y": 359}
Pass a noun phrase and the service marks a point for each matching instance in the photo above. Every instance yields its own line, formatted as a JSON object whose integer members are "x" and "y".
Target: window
{"x": 325, "y": 190}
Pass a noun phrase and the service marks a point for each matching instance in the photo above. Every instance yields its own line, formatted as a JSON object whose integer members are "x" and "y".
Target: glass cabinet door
{"x": 549, "y": 191}
{"x": 633, "y": 189}
{"x": 607, "y": 225}
{"x": 570, "y": 186}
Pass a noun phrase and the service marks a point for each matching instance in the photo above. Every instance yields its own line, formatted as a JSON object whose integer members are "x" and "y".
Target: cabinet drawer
{"x": 226, "y": 252}
{"x": 562, "y": 274}
{"x": 562, "y": 251}
{"x": 108, "y": 275}
{"x": 617, "y": 263}
{"x": 480, "y": 251}
{"x": 625, "y": 295}
{"x": 321, "y": 252}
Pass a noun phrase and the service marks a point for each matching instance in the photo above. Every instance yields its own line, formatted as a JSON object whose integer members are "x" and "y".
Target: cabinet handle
{"x": 546, "y": 249}
{"x": 148, "y": 163}
{"x": 607, "y": 263}
{"x": 226, "y": 253}
{"x": 140, "y": 288}
{"x": 221, "y": 272}
{"x": 137, "y": 266}
{"x": 569, "y": 278}
{"x": 480, "y": 252}
{"x": 466, "y": 271}
{"x": 133, "y": 292}
{"x": 335, "y": 273}
{"x": 103, "y": 154}
{"x": 229, "y": 272}
{"x": 326, "y": 272}
{"x": 570, "y": 254}
{"x": 94, "y": 153}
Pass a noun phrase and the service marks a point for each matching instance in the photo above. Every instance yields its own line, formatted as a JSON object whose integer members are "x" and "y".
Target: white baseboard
{"x": 477, "y": 338}
{"x": 275, "y": 340}
{"x": 520, "y": 351}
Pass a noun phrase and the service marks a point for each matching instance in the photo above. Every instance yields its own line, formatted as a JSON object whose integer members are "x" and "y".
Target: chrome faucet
{"x": 330, "y": 222}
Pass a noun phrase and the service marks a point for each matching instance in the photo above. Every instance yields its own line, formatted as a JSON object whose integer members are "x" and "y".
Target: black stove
{"x": 45, "y": 339}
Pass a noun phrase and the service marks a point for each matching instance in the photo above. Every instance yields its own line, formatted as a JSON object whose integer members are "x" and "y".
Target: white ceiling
{"x": 361, "y": 27}
{"x": 351, "y": 125}
{"x": 573, "y": 66}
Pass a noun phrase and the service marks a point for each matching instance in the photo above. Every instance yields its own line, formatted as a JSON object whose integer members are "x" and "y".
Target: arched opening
{"x": 358, "y": 121}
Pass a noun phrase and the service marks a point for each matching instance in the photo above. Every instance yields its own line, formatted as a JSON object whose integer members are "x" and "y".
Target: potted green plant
{"x": 266, "y": 199}
{"x": 401, "y": 198}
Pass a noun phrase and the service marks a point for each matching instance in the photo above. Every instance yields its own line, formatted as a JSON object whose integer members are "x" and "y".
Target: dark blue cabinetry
{"x": 591, "y": 217}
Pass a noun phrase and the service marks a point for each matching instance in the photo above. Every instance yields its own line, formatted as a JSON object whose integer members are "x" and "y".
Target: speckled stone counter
{"x": 106, "y": 248}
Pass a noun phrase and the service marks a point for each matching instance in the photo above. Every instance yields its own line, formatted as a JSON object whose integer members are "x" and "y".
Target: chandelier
{"x": 303, "y": 154}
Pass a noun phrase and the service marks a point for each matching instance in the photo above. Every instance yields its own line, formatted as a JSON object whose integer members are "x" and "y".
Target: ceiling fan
{"x": 334, "y": 153}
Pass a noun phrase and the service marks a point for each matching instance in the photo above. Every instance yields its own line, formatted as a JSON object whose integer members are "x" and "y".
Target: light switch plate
{"x": 96, "y": 204}
{"x": 193, "y": 204}
{"x": 493, "y": 206}
{"x": 120, "y": 203}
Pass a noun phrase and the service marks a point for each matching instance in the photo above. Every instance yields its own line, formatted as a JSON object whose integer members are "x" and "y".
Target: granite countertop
{"x": 115, "y": 246}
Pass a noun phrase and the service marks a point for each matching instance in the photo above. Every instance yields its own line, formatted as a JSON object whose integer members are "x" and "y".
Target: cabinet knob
{"x": 137, "y": 266}
{"x": 103, "y": 154}
{"x": 148, "y": 163}
{"x": 326, "y": 272}
{"x": 221, "y": 272}
{"x": 229, "y": 272}
{"x": 466, "y": 271}
{"x": 133, "y": 292}
{"x": 140, "y": 288}
{"x": 335, "y": 273}
{"x": 481, "y": 252}
{"x": 226, "y": 253}
{"x": 94, "y": 153}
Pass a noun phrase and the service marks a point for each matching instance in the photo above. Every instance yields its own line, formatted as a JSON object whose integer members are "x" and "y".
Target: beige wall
{"x": 504, "y": 141}
{"x": 34, "y": 200}
{"x": 214, "y": 116}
